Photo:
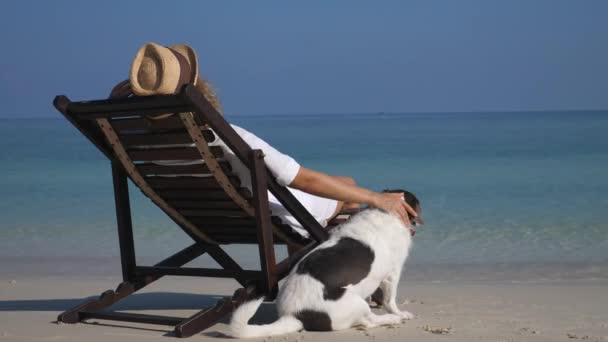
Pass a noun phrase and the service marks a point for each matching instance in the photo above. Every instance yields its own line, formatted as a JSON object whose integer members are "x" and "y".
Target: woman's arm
{"x": 323, "y": 185}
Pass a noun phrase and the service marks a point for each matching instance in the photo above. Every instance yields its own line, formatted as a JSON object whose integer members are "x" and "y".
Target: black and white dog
{"x": 327, "y": 289}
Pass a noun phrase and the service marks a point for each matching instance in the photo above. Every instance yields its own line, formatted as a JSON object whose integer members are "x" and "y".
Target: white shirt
{"x": 284, "y": 168}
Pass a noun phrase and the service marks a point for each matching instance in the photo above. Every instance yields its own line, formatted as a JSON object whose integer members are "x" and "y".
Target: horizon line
{"x": 373, "y": 113}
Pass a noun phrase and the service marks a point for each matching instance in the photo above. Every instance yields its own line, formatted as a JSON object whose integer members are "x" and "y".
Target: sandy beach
{"x": 477, "y": 309}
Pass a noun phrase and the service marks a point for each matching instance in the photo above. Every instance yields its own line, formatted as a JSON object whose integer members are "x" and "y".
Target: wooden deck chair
{"x": 205, "y": 200}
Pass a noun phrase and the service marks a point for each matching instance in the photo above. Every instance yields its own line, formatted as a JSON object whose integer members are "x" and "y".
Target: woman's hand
{"x": 320, "y": 184}
{"x": 394, "y": 203}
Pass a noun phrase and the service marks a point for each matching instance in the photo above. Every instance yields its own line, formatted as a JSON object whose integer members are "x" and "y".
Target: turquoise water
{"x": 495, "y": 187}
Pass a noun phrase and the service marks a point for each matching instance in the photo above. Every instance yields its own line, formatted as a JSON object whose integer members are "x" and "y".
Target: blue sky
{"x": 278, "y": 57}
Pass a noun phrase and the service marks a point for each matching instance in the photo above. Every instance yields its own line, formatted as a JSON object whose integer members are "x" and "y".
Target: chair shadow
{"x": 141, "y": 302}
{"x": 137, "y": 301}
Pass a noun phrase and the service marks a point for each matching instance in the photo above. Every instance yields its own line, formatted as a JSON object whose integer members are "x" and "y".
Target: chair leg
{"x": 106, "y": 299}
{"x": 209, "y": 317}
{"x": 126, "y": 288}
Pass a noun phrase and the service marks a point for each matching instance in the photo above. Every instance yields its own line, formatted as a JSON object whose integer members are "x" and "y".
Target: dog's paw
{"x": 391, "y": 319}
{"x": 405, "y": 315}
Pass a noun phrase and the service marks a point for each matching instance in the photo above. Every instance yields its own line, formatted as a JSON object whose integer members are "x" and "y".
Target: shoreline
{"x": 27, "y": 266}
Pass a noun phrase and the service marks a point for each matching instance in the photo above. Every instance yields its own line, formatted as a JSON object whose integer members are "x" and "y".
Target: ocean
{"x": 495, "y": 187}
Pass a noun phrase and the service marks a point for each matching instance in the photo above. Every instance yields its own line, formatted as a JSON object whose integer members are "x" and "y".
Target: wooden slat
{"x": 149, "y": 105}
{"x": 231, "y": 237}
{"x": 238, "y": 230}
{"x": 172, "y": 195}
{"x": 237, "y": 236}
{"x": 156, "y": 169}
{"x": 141, "y": 125}
{"x": 197, "y": 272}
{"x": 204, "y": 204}
{"x": 236, "y": 239}
{"x": 190, "y": 213}
{"x": 199, "y": 195}
{"x": 162, "y": 183}
{"x": 226, "y": 232}
{"x": 181, "y": 153}
{"x": 232, "y": 234}
{"x": 233, "y": 231}
{"x": 213, "y": 223}
{"x": 172, "y": 138}
{"x": 210, "y": 222}
{"x": 133, "y": 317}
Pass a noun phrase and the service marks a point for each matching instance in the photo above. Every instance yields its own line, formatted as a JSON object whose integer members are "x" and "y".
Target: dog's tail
{"x": 240, "y": 328}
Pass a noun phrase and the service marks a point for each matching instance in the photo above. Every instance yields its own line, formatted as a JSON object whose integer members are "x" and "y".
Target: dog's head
{"x": 413, "y": 201}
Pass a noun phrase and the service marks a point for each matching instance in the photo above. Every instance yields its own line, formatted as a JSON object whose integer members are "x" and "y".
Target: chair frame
{"x": 255, "y": 283}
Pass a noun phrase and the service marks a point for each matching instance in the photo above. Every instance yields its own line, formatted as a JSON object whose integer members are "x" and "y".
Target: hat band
{"x": 184, "y": 69}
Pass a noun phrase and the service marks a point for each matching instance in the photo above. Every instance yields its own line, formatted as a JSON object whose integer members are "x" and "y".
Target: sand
{"x": 457, "y": 310}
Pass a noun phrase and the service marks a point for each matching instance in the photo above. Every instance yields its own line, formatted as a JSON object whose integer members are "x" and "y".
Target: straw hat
{"x": 163, "y": 70}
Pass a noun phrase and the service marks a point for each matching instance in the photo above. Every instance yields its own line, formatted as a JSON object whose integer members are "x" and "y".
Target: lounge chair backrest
{"x": 202, "y": 198}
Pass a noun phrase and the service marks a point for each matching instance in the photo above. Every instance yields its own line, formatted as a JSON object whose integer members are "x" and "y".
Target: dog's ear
{"x": 409, "y": 197}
